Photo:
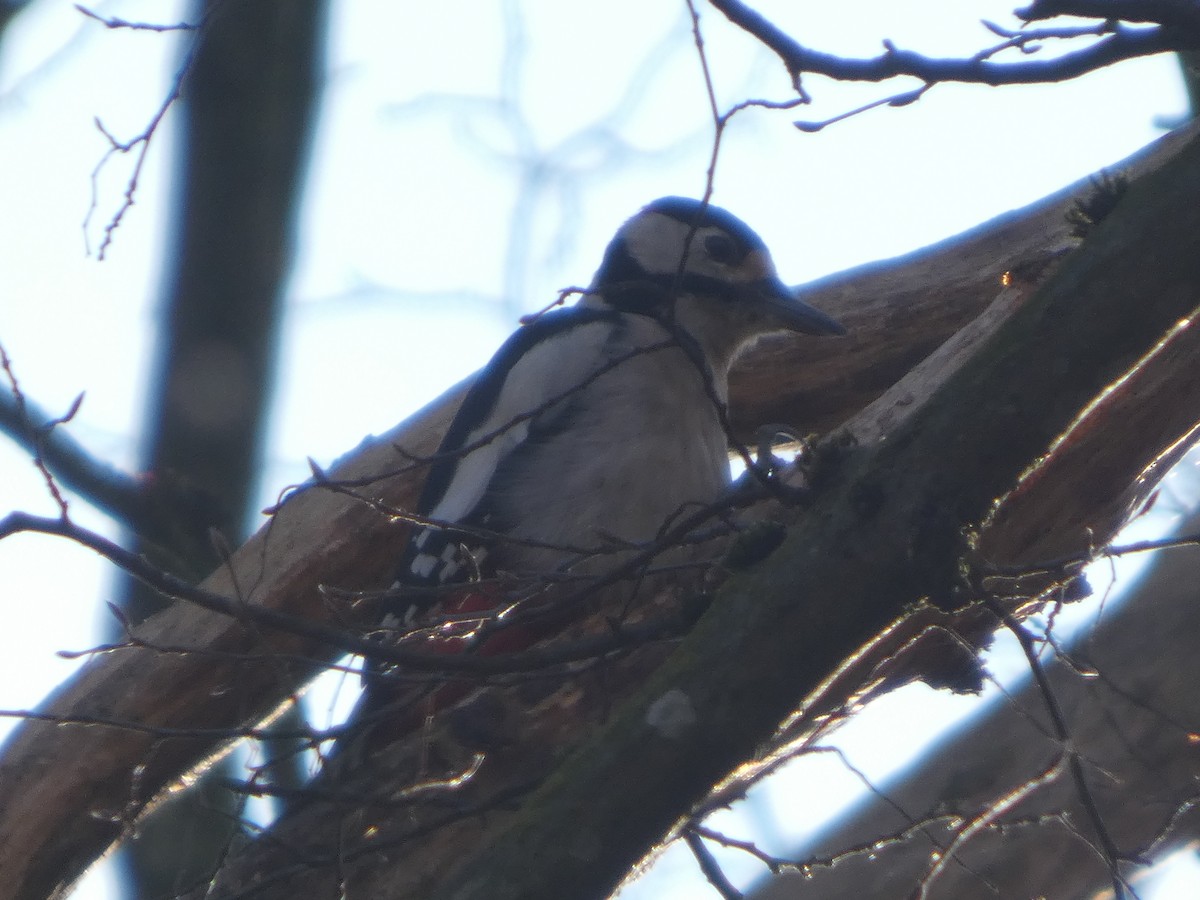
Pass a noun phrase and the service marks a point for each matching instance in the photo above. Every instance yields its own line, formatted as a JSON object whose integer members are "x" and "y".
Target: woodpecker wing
{"x": 521, "y": 395}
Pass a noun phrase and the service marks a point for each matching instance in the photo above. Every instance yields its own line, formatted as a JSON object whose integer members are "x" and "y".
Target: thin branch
{"x": 774, "y": 863}
{"x": 149, "y": 507}
{"x": 116, "y": 22}
{"x": 1176, "y": 13}
{"x": 164, "y": 731}
{"x": 683, "y": 341}
{"x": 1107, "y": 848}
{"x": 710, "y": 867}
{"x": 520, "y": 418}
{"x": 1168, "y": 832}
{"x": 36, "y": 438}
{"x": 429, "y": 790}
{"x": 533, "y": 659}
{"x": 1120, "y": 44}
{"x": 140, "y": 142}
{"x": 1063, "y": 565}
{"x": 33, "y": 428}
{"x": 312, "y": 861}
{"x": 904, "y": 98}
{"x": 987, "y": 817}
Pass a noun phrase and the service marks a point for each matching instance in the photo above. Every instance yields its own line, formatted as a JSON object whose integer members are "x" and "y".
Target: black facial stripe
{"x": 618, "y": 264}
{"x": 706, "y": 285}
{"x": 644, "y": 295}
{"x": 651, "y": 294}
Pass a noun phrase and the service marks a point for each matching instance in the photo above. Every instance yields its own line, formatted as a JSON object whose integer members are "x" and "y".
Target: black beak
{"x": 792, "y": 312}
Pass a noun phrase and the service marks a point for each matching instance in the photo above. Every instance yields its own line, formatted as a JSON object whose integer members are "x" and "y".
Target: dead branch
{"x": 889, "y": 529}
{"x": 115, "y": 22}
{"x": 62, "y": 801}
{"x": 1176, "y": 27}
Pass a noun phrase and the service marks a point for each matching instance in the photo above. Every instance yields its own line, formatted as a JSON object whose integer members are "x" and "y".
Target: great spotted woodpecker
{"x": 594, "y": 425}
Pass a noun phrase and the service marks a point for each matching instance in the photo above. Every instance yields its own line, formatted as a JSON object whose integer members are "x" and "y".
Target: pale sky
{"x": 405, "y": 280}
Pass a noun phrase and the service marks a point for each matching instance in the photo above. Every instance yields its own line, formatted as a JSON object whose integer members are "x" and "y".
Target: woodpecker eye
{"x": 721, "y": 249}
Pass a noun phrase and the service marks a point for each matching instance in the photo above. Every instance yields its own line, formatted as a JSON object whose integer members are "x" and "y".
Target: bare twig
{"x": 147, "y": 506}
{"x": 535, "y": 658}
{"x": 986, "y": 818}
{"x": 1073, "y": 763}
{"x": 1175, "y": 13}
{"x": 1117, "y": 43}
{"x": 1172, "y": 27}
{"x": 116, "y": 22}
{"x": 36, "y": 438}
{"x": 140, "y": 143}
{"x": 774, "y": 863}
{"x": 222, "y": 734}
{"x": 710, "y": 867}
{"x": 1073, "y": 561}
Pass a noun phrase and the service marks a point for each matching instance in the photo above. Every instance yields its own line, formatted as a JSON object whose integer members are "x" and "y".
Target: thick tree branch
{"x": 248, "y": 89}
{"x": 351, "y": 642}
{"x": 1177, "y": 13}
{"x": 1115, "y": 43}
{"x": 888, "y": 530}
{"x": 146, "y": 506}
{"x": 62, "y": 801}
{"x": 1129, "y": 691}
{"x": 417, "y": 861}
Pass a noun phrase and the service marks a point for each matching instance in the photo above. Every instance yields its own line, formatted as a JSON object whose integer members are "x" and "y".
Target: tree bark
{"x": 883, "y": 531}
{"x": 1134, "y": 723}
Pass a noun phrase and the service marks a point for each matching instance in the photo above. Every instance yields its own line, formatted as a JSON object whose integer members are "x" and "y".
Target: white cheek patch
{"x": 655, "y": 242}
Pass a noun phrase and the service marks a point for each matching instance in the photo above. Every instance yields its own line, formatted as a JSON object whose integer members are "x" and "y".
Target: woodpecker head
{"x": 704, "y": 270}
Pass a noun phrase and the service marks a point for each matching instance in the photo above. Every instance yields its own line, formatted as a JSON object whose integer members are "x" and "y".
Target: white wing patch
{"x": 546, "y": 371}
{"x": 474, "y": 471}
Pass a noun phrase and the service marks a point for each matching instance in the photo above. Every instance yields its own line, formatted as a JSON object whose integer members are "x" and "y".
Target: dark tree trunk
{"x": 246, "y": 116}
